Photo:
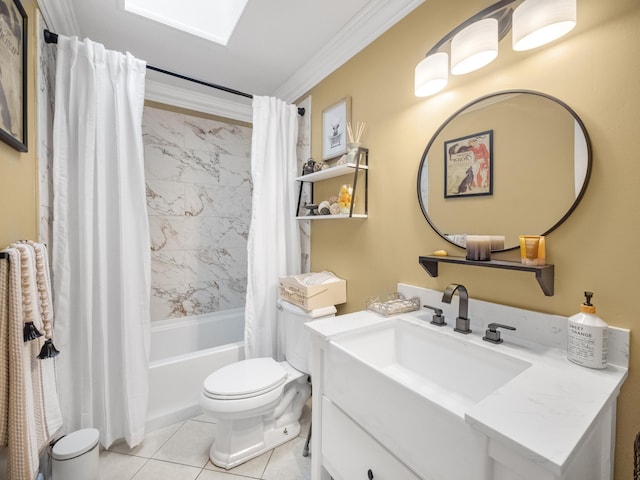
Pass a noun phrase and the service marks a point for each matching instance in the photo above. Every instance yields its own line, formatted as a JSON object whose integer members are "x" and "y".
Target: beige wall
{"x": 19, "y": 171}
{"x": 595, "y": 70}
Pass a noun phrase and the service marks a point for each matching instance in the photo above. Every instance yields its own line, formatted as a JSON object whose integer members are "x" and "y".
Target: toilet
{"x": 257, "y": 403}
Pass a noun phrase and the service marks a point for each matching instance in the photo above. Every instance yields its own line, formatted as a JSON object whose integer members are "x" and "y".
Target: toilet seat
{"x": 245, "y": 379}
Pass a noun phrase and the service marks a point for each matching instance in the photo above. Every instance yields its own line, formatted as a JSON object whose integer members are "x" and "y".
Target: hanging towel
{"x": 4, "y": 350}
{"x": 38, "y": 283}
{"x": 29, "y": 407}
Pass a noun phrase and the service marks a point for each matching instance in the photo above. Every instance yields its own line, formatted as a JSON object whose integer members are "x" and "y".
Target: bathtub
{"x": 183, "y": 352}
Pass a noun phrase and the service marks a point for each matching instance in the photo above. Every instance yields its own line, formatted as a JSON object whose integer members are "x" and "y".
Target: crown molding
{"x": 59, "y": 17}
{"x": 368, "y": 24}
{"x": 371, "y": 22}
{"x": 181, "y": 97}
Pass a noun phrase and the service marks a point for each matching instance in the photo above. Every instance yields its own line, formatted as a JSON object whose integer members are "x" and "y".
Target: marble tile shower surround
{"x": 304, "y": 153}
{"x": 199, "y": 194}
{"x": 198, "y": 180}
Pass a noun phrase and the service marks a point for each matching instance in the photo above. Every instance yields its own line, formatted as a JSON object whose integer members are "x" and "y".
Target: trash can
{"x": 75, "y": 456}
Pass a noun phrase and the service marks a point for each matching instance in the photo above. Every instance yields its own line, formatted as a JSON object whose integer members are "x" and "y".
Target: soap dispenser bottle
{"x": 587, "y": 337}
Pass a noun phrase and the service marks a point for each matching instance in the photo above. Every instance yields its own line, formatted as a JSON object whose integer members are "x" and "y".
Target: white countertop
{"x": 544, "y": 413}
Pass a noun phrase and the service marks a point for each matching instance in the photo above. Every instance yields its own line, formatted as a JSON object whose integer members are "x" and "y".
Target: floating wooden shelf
{"x": 544, "y": 273}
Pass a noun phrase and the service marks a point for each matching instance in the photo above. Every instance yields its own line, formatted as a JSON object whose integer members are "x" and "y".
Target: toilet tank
{"x": 297, "y": 339}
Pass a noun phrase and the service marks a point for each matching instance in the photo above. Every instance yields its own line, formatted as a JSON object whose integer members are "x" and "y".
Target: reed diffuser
{"x": 354, "y": 137}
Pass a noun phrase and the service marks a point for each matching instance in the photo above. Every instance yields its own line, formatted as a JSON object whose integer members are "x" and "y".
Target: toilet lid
{"x": 75, "y": 444}
{"x": 244, "y": 379}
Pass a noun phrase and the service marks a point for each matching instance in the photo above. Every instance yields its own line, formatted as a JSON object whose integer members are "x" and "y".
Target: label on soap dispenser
{"x": 587, "y": 344}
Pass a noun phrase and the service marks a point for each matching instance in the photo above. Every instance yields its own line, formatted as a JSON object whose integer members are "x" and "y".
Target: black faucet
{"x": 462, "y": 320}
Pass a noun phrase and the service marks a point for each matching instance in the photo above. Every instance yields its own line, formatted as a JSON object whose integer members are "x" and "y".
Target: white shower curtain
{"x": 101, "y": 246}
{"x": 274, "y": 237}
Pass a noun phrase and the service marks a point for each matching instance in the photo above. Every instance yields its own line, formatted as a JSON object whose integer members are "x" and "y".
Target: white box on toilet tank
{"x": 296, "y": 289}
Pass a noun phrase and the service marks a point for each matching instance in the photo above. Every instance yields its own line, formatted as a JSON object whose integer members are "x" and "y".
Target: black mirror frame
{"x": 485, "y": 97}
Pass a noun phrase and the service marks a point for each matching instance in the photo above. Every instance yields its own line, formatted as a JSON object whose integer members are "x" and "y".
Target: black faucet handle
{"x": 437, "y": 318}
{"x": 493, "y": 335}
{"x": 494, "y": 326}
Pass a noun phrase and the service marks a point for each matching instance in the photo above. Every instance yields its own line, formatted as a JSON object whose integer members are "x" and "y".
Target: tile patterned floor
{"x": 181, "y": 452}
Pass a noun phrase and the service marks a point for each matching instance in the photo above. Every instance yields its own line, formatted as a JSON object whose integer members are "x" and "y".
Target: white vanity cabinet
{"x": 348, "y": 452}
{"x": 549, "y": 420}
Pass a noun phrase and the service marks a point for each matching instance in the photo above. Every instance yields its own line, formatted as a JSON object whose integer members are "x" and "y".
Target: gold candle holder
{"x": 532, "y": 249}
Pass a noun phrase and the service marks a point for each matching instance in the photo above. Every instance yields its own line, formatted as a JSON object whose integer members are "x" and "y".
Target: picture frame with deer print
{"x": 334, "y": 129}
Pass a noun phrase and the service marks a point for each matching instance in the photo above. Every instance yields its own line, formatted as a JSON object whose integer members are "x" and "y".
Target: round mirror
{"x": 507, "y": 164}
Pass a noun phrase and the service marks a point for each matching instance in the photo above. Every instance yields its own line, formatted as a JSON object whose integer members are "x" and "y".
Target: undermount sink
{"x": 447, "y": 370}
{"x": 408, "y": 384}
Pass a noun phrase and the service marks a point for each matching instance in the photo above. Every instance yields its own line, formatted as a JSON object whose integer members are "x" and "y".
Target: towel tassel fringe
{"x": 30, "y": 332}
{"x": 48, "y": 350}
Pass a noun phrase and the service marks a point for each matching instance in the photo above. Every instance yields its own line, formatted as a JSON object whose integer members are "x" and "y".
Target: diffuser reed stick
{"x": 359, "y": 130}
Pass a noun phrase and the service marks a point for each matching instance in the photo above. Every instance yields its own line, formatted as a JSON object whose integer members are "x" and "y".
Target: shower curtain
{"x": 274, "y": 237}
{"x": 101, "y": 246}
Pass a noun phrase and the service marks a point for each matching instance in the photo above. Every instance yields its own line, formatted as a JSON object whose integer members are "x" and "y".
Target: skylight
{"x": 214, "y": 20}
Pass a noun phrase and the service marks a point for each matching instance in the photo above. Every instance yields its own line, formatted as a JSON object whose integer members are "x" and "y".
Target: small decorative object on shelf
{"x": 345, "y": 198}
{"x": 313, "y": 209}
{"x": 320, "y": 166}
{"x": 393, "y": 303}
{"x": 354, "y": 136}
{"x": 532, "y": 249}
{"x": 309, "y": 167}
{"x": 324, "y": 207}
{"x": 478, "y": 247}
{"x": 497, "y": 242}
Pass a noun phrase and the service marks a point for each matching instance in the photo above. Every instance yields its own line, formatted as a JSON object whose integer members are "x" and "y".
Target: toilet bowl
{"x": 257, "y": 403}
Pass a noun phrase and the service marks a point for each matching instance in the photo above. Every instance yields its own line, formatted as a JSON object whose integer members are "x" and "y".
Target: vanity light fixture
{"x": 474, "y": 43}
{"x": 474, "y": 46}
{"x": 432, "y": 74}
{"x": 537, "y": 22}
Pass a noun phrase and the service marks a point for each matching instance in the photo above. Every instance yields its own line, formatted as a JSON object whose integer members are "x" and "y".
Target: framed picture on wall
{"x": 334, "y": 129}
{"x": 468, "y": 165}
{"x": 13, "y": 74}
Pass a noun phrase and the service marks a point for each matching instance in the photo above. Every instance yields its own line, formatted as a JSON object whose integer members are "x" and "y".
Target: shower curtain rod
{"x": 50, "y": 37}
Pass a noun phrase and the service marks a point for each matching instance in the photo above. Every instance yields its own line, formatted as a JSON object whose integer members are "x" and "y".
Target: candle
{"x": 479, "y": 247}
{"x": 497, "y": 242}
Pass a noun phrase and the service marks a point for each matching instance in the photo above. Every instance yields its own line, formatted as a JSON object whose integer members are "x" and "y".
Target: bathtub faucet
{"x": 462, "y": 320}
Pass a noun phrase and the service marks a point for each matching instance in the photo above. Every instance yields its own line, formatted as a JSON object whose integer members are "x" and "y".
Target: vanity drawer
{"x": 349, "y": 453}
